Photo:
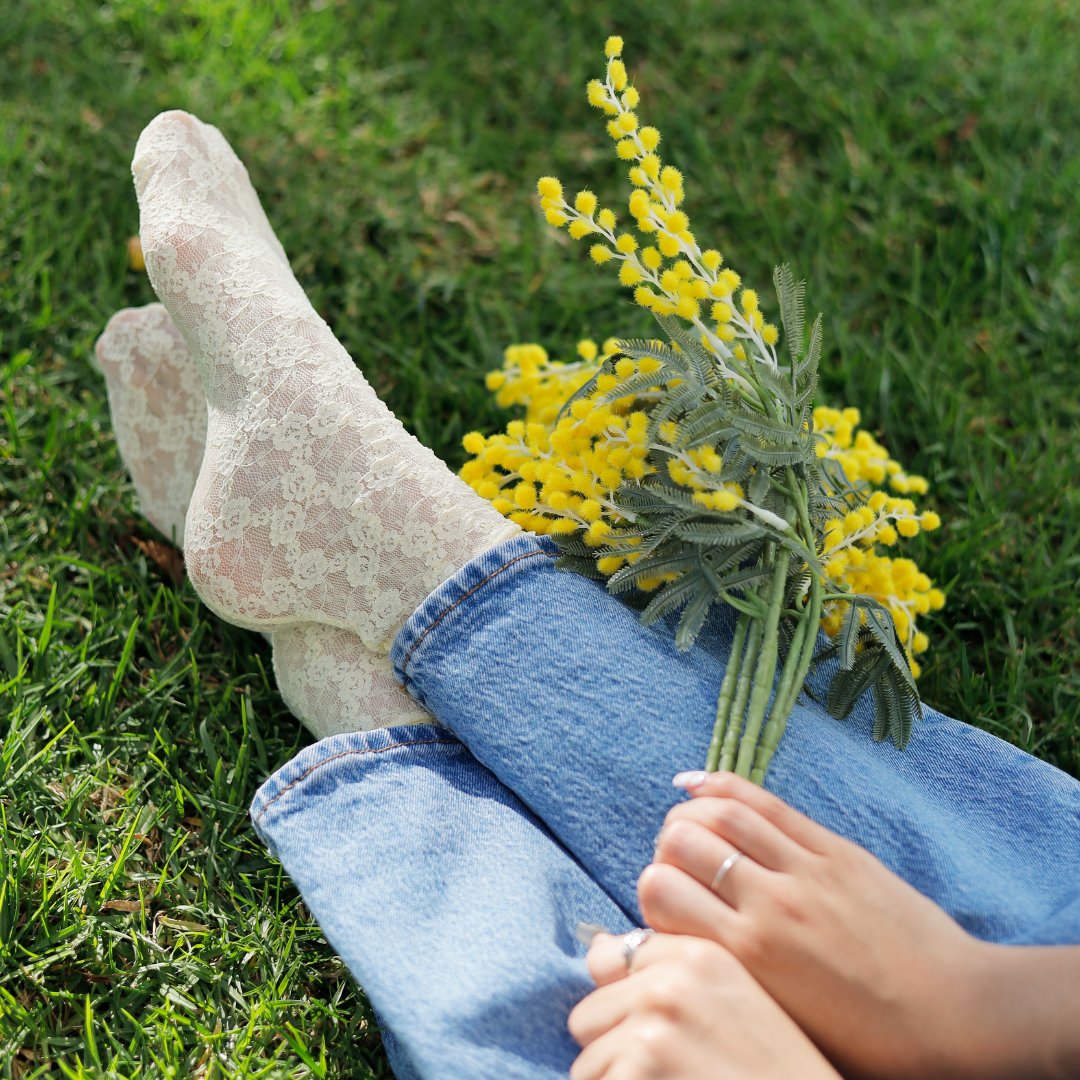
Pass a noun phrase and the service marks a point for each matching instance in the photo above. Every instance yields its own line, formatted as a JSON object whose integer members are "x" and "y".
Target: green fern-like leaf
{"x": 770, "y": 432}
{"x": 738, "y": 581}
{"x": 806, "y": 371}
{"x": 676, "y": 402}
{"x": 879, "y": 623}
{"x": 792, "y": 308}
{"x": 679, "y": 561}
{"x": 587, "y": 389}
{"x": 635, "y": 386}
{"x": 896, "y": 708}
{"x": 672, "y": 596}
{"x": 692, "y": 620}
{"x": 719, "y": 533}
{"x": 847, "y": 686}
{"x": 780, "y": 387}
{"x": 703, "y": 362}
{"x": 772, "y": 458}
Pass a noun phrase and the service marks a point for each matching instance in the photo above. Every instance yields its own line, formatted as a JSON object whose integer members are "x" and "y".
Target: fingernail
{"x": 689, "y": 780}
{"x": 586, "y": 931}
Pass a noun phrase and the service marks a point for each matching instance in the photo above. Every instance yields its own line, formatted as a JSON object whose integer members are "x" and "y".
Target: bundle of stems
{"x": 743, "y": 740}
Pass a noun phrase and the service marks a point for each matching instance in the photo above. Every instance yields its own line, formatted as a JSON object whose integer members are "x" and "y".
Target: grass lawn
{"x": 919, "y": 164}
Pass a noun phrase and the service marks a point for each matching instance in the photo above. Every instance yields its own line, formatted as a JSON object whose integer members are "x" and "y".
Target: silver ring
{"x": 632, "y": 942}
{"x": 725, "y": 869}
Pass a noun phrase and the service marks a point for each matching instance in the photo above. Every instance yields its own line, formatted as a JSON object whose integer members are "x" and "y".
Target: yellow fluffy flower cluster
{"x": 853, "y": 555}
{"x": 558, "y": 471}
{"x": 863, "y": 458}
{"x": 540, "y": 385}
{"x": 663, "y": 264}
{"x": 559, "y": 476}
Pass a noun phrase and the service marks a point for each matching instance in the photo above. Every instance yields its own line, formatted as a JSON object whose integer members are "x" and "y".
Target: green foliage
{"x": 760, "y": 441}
{"x": 871, "y": 657}
{"x": 727, "y": 557}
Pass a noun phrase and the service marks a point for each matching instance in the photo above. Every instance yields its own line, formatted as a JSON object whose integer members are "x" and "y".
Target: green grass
{"x": 918, "y": 163}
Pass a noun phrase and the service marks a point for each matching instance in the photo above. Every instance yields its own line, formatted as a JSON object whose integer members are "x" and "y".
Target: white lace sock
{"x": 334, "y": 683}
{"x": 313, "y": 503}
{"x": 327, "y": 677}
{"x": 158, "y": 411}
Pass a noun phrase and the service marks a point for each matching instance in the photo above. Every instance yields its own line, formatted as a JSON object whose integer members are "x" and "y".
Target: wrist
{"x": 1017, "y": 1016}
{"x": 952, "y": 1037}
{"x": 972, "y": 1044}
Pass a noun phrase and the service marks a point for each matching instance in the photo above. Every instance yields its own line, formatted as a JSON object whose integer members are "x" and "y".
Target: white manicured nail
{"x": 689, "y": 780}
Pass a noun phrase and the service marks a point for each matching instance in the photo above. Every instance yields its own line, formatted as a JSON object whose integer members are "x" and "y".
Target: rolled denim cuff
{"x": 450, "y": 903}
{"x": 447, "y": 605}
{"x": 324, "y": 768}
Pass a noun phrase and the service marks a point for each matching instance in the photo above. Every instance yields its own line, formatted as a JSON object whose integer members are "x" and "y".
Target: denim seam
{"x": 346, "y": 753}
{"x": 460, "y": 600}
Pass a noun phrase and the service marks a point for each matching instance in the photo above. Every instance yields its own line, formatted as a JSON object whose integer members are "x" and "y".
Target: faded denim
{"x": 557, "y": 689}
{"x": 450, "y": 874}
{"x": 451, "y": 904}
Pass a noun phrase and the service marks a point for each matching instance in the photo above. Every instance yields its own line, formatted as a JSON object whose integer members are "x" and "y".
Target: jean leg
{"x": 557, "y": 688}
{"x": 452, "y": 905}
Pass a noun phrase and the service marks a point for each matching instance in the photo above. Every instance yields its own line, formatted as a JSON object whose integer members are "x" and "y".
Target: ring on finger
{"x": 725, "y": 869}
{"x": 632, "y": 942}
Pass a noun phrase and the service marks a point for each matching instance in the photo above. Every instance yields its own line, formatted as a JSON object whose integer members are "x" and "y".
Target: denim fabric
{"x": 452, "y": 904}
{"x": 455, "y": 906}
{"x": 557, "y": 689}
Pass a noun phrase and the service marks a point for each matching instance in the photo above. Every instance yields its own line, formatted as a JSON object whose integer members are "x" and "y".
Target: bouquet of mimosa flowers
{"x": 694, "y": 469}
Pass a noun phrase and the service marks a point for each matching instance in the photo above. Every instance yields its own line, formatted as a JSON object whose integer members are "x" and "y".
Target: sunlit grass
{"x": 919, "y": 165}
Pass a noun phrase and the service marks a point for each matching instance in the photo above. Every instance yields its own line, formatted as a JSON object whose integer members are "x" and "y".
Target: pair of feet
{"x": 304, "y": 508}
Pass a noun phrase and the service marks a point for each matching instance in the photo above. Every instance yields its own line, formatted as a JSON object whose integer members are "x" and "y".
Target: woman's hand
{"x": 687, "y": 1011}
{"x": 875, "y": 973}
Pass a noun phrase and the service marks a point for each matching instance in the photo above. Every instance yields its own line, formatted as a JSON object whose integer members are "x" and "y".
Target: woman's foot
{"x": 158, "y": 411}
{"x": 313, "y": 503}
{"x": 326, "y": 676}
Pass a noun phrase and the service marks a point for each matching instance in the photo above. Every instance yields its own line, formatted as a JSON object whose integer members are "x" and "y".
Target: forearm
{"x": 1022, "y": 1014}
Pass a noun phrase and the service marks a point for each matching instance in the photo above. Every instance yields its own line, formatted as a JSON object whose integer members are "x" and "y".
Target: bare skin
{"x": 688, "y": 1010}
{"x": 881, "y": 979}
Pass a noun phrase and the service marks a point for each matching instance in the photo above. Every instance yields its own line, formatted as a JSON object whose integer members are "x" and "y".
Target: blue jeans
{"x": 449, "y": 865}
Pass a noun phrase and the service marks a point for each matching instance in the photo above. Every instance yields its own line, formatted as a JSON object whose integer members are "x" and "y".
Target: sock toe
{"x": 215, "y": 264}
{"x": 178, "y": 155}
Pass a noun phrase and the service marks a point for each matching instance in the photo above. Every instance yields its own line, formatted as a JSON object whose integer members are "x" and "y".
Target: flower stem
{"x": 782, "y": 706}
{"x": 800, "y": 655}
{"x": 727, "y": 692}
{"x": 742, "y": 694}
{"x": 765, "y": 670}
{"x": 783, "y": 700}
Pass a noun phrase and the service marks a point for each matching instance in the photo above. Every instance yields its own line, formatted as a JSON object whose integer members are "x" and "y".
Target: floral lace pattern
{"x": 158, "y": 411}
{"x": 330, "y": 680}
{"x": 313, "y": 504}
{"x": 327, "y": 677}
